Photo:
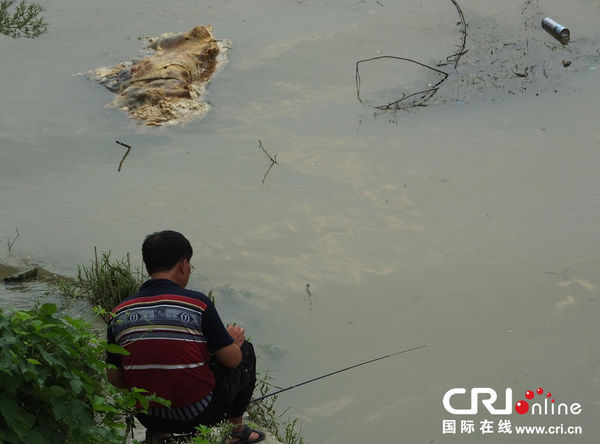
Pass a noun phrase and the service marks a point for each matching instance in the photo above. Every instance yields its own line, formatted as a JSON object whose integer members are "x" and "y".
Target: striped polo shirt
{"x": 169, "y": 333}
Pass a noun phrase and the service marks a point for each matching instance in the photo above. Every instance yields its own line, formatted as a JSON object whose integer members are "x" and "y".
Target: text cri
{"x": 486, "y": 395}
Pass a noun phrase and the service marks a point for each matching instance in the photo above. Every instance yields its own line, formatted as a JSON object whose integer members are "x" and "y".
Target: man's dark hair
{"x": 162, "y": 250}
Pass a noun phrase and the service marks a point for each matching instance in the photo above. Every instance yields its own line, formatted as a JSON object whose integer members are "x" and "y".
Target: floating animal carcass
{"x": 168, "y": 85}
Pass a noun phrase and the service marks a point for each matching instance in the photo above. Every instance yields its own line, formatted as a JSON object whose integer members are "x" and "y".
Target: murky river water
{"x": 471, "y": 225}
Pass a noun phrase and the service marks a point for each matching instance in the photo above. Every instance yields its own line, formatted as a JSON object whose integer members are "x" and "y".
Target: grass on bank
{"x": 105, "y": 282}
{"x": 264, "y": 414}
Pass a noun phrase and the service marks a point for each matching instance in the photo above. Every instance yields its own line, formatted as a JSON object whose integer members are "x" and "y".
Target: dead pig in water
{"x": 167, "y": 86}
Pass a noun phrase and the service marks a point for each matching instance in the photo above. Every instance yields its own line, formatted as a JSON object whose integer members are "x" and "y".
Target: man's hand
{"x": 237, "y": 333}
{"x": 231, "y": 356}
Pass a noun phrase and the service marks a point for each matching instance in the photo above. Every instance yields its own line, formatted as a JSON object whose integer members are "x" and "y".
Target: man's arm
{"x": 115, "y": 377}
{"x": 231, "y": 355}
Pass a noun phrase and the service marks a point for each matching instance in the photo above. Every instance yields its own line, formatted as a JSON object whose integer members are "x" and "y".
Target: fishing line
{"x": 268, "y": 395}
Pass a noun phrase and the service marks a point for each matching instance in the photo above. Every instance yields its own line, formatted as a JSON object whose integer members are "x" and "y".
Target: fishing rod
{"x": 335, "y": 372}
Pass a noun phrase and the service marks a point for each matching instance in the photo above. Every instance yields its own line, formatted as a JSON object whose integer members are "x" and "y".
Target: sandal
{"x": 244, "y": 436}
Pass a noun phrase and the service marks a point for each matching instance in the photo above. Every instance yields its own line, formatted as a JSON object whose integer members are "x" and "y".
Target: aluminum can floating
{"x": 557, "y": 30}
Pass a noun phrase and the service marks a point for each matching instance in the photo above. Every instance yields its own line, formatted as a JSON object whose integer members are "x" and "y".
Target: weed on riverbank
{"x": 263, "y": 413}
{"x": 105, "y": 282}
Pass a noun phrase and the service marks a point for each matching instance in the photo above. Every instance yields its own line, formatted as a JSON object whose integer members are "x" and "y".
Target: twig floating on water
{"x": 124, "y": 155}
{"x": 123, "y": 144}
{"x": 427, "y": 93}
{"x": 522, "y": 74}
{"x": 10, "y": 244}
{"x": 309, "y": 294}
{"x": 273, "y": 160}
{"x": 563, "y": 274}
{"x": 456, "y": 56}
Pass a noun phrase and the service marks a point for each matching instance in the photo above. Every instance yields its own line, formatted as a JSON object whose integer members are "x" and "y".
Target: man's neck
{"x": 165, "y": 275}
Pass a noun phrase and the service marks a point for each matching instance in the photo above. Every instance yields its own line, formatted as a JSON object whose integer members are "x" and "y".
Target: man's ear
{"x": 181, "y": 266}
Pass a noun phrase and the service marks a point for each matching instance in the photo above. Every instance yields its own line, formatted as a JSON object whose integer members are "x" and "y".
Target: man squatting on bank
{"x": 179, "y": 348}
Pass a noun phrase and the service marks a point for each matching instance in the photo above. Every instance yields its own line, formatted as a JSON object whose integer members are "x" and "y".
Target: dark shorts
{"x": 231, "y": 396}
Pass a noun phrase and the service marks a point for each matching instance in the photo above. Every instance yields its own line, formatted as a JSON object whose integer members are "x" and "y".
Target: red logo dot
{"x": 540, "y": 390}
{"x": 522, "y": 407}
{"x": 552, "y": 399}
{"x": 529, "y": 394}
{"x": 549, "y": 395}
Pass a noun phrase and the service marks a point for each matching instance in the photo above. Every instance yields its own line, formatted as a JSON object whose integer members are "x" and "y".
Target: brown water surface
{"x": 470, "y": 225}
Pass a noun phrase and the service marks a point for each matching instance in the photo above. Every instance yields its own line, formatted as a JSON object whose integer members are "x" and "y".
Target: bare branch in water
{"x": 309, "y": 295}
{"x": 456, "y": 56}
{"x": 425, "y": 94}
{"x": 273, "y": 160}
{"x": 397, "y": 104}
{"x": 10, "y": 244}
{"x": 124, "y": 155}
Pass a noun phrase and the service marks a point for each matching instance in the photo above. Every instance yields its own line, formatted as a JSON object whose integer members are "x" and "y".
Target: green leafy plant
{"x": 24, "y": 21}
{"x": 105, "y": 282}
{"x": 213, "y": 435}
{"x": 53, "y": 386}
